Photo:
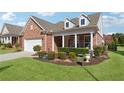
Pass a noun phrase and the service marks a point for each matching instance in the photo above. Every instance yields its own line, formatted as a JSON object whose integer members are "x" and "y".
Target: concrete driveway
{"x": 9, "y": 56}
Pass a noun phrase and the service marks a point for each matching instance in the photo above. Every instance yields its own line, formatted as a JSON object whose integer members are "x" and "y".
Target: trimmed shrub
{"x": 72, "y": 55}
{"x": 37, "y": 48}
{"x": 1, "y": 44}
{"x": 51, "y": 55}
{"x": 62, "y": 55}
{"x": 8, "y": 45}
{"x": 76, "y": 50}
{"x": 42, "y": 54}
{"x": 19, "y": 49}
{"x": 2, "y": 47}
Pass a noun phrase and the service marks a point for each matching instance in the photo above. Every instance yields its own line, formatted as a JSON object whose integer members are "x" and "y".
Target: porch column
{"x": 10, "y": 39}
{"x": 75, "y": 40}
{"x": 91, "y": 41}
{"x": 63, "y": 41}
{"x": 52, "y": 43}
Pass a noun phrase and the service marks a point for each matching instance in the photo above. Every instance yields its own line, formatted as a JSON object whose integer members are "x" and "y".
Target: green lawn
{"x": 10, "y": 50}
{"x": 32, "y": 69}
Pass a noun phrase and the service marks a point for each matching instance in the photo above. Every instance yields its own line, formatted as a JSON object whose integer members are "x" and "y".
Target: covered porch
{"x": 9, "y": 39}
{"x": 74, "y": 40}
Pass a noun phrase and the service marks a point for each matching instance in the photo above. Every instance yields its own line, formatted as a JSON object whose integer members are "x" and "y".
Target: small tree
{"x": 37, "y": 48}
{"x": 16, "y": 45}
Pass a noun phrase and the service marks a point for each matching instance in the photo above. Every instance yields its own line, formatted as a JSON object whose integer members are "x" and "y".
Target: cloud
{"x": 112, "y": 20}
{"x": 46, "y": 13}
{"x": 21, "y": 23}
{"x": 119, "y": 14}
{"x": 110, "y": 33}
{"x": 8, "y": 16}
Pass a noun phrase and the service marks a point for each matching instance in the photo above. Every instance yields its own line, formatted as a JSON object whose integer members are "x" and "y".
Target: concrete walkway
{"x": 9, "y": 56}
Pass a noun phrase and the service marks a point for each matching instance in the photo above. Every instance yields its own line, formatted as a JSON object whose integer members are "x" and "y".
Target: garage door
{"x": 29, "y": 44}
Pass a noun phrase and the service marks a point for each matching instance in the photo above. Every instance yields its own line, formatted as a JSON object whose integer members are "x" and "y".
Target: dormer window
{"x": 67, "y": 24}
{"x": 82, "y": 21}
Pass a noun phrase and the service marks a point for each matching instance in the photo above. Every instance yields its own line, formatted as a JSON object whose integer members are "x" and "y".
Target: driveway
{"x": 9, "y": 56}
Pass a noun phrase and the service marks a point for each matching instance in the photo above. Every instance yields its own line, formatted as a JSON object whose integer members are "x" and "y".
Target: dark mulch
{"x": 93, "y": 61}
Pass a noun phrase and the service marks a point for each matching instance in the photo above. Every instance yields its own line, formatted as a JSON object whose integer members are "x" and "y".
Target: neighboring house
{"x": 108, "y": 39}
{"x": 83, "y": 31}
{"x": 10, "y": 33}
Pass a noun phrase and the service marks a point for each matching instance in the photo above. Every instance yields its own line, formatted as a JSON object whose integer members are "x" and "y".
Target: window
{"x": 82, "y": 21}
{"x": 87, "y": 41}
{"x": 67, "y": 24}
{"x": 31, "y": 27}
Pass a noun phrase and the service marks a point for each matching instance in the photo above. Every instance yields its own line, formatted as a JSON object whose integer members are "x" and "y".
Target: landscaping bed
{"x": 73, "y": 56}
{"x": 76, "y": 62}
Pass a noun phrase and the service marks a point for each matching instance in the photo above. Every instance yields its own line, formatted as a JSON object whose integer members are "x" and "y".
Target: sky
{"x": 113, "y": 22}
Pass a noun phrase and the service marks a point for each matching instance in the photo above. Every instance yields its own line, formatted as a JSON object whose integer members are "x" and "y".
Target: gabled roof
{"x": 59, "y": 26}
{"x": 48, "y": 26}
{"x": 12, "y": 29}
{"x": 93, "y": 19}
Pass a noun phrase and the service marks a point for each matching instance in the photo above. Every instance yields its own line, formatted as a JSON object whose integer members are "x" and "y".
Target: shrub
{"x": 62, "y": 55}
{"x": 42, "y": 54}
{"x": 1, "y": 44}
{"x": 76, "y": 50}
{"x": 112, "y": 46}
{"x": 51, "y": 55}
{"x": 16, "y": 45}
{"x": 3, "y": 47}
{"x": 37, "y": 48}
{"x": 72, "y": 55}
{"x": 8, "y": 45}
{"x": 19, "y": 49}
{"x": 99, "y": 50}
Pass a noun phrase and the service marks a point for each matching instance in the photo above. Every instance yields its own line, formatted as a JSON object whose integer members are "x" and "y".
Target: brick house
{"x": 108, "y": 39}
{"x": 10, "y": 33}
{"x": 82, "y": 31}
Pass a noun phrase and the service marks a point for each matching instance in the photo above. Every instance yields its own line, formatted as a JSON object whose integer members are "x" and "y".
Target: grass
{"x": 8, "y": 50}
{"x": 32, "y": 69}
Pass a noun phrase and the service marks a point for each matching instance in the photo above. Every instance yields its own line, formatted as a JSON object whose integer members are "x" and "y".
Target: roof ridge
{"x": 42, "y": 19}
{"x": 12, "y": 25}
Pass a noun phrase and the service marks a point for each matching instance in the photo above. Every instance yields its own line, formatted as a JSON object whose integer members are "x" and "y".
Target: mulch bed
{"x": 69, "y": 62}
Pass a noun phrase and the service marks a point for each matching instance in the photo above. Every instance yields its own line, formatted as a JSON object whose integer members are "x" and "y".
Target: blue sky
{"x": 112, "y": 21}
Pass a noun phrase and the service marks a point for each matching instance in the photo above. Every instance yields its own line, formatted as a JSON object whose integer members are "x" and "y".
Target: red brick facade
{"x": 36, "y": 33}
{"x": 108, "y": 39}
{"x": 33, "y": 31}
{"x": 97, "y": 39}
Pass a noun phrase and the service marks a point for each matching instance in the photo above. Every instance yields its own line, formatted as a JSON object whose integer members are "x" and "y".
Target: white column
{"x": 63, "y": 41}
{"x": 10, "y": 39}
{"x": 52, "y": 43}
{"x": 91, "y": 41}
{"x": 75, "y": 40}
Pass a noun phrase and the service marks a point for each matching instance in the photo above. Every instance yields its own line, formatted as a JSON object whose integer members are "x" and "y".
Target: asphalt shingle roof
{"x": 48, "y": 26}
{"x": 13, "y": 29}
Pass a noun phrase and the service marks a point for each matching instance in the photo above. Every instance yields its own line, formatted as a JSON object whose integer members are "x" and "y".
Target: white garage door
{"x": 29, "y": 44}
